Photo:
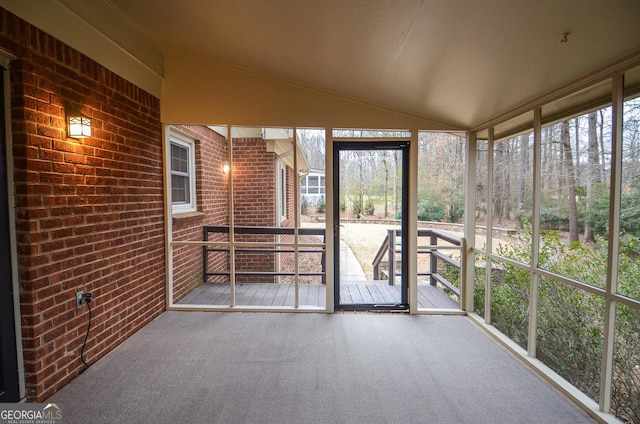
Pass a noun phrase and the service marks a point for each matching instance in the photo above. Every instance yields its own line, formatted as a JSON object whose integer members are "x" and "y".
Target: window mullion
{"x": 489, "y": 227}
{"x": 535, "y": 232}
{"x": 606, "y": 374}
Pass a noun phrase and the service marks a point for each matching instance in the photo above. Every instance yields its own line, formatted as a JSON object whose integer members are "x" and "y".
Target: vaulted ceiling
{"x": 459, "y": 62}
{"x": 455, "y": 61}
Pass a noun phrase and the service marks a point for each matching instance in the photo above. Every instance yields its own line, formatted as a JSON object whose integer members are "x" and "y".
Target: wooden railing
{"x": 260, "y": 248}
{"x": 390, "y": 248}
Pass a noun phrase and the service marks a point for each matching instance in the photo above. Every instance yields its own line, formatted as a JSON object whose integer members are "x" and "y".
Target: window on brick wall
{"x": 183, "y": 184}
{"x": 282, "y": 193}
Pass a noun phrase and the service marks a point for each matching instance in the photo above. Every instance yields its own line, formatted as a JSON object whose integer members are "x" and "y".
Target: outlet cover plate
{"x": 80, "y": 299}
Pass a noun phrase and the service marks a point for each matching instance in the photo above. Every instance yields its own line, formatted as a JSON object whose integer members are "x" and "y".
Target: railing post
{"x": 392, "y": 257}
{"x": 205, "y": 254}
{"x": 323, "y": 259}
{"x": 433, "y": 259}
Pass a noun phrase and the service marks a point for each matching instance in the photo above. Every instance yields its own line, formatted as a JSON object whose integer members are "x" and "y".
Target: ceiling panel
{"x": 459, "y": 62}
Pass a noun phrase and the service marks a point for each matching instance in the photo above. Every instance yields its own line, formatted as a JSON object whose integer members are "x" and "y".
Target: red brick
{"x": 54, "y": 195}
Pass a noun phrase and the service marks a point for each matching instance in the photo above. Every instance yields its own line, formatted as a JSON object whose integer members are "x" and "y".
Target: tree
{"x": 571, "y": 181}
{"x": 499, "y": 182}
{"x": 592, "y": 174}
{"x": 523, "y": 142}
{"x": 386, "y": 163}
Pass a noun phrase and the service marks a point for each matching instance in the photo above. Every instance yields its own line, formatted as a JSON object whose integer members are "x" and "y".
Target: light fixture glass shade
{"x": 79, "y": 127}
{"x": 225, "y": 167}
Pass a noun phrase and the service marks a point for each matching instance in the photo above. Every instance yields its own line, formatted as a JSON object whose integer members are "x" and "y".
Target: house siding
{"x": 89, "y": 213}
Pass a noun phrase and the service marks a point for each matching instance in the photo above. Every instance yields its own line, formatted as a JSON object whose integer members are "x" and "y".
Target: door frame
{"x": 12, "y": 386}
{"x": 403, "y": 146}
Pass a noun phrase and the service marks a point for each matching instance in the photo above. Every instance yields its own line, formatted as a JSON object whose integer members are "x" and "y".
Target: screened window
{"x": 182, "y": 174}
{"x": 313, "y": 184}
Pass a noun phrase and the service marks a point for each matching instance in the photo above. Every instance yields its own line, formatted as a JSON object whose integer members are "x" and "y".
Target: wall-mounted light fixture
{"x": 225, "y": 167}
{"x": 79, "y": 126}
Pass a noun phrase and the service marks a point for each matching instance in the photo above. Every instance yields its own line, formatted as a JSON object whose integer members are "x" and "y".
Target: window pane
{"x": 481, "y": 223}
{"x": 512, "y": 204}
{"x": 625, "y": 399}
{"x": 575, "y": 197}
{"x": 311, "y": 260}
{"x": 261, "y": 198}
{"x": 365, "y": 133}
{"x": 180, "y": 189}
{"x": 569, "y": 334}
{"x": 480, "y": 286}
{"x": 481, "y": 189}
{"x": 510, "y": 301}
{"x": 629, "y": 263}
{"x": 440, "y": 177}
{"x": 179, "y": 158}
{"x": 201, "y": 274}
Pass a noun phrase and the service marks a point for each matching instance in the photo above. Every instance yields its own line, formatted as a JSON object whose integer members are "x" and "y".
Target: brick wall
{"x": 89, "y": 213}
{"x": 254, "y": 191}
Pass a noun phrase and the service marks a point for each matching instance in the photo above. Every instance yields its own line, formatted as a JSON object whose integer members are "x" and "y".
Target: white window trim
{"x": 282, "y": 192}
{"x": 183, "y": 140}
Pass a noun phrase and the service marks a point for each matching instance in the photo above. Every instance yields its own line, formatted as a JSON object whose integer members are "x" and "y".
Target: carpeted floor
{"x": 194, "y": 367}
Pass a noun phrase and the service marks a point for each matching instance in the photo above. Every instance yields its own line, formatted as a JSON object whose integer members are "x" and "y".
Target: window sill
{"x": 186, "y": 218}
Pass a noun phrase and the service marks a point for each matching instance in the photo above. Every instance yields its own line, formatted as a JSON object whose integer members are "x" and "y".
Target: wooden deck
{"x": 361, "y": 292}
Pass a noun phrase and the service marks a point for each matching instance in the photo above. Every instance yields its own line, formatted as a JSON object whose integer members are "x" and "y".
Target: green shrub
{"x": 598, "y": 215}
{"x": 570, "y": 320}
{"x": 321, "y": 207}
{"x": 552, "y": 220}
{"x": 356, "y": 206}
{"x": 456, "y": 212}
{"x": 369, "y": 207}
{"x": 428, "y": 211}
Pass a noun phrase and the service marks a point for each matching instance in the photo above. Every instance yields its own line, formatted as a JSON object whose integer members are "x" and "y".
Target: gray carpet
{"x": 194, "y": 367}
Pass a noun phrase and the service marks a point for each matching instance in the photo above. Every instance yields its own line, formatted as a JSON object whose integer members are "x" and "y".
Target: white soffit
{"x": 99, "y": 31}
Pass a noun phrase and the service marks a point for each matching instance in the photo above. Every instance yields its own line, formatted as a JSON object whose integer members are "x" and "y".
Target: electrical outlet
{"x": 80, "y": 299}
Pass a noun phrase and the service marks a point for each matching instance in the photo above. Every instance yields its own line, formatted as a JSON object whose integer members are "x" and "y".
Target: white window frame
{"x": 184, "y": 141}
{"x": 282, "y": 192}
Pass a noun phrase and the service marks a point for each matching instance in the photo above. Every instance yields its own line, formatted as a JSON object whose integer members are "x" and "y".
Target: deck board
{"x": 352, "y": 292}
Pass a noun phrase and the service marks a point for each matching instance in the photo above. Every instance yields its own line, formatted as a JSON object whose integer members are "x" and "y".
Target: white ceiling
{"x": 459, "y": 62}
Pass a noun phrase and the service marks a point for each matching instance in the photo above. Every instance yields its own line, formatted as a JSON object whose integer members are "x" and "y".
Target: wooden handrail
{"x": 388, "y": 249}
{"x": 222, "y": 229}
{"x": 262, "y": 230}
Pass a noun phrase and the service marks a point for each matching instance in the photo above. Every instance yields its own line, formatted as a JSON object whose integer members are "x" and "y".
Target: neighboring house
{"x": 312, "y": 187}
